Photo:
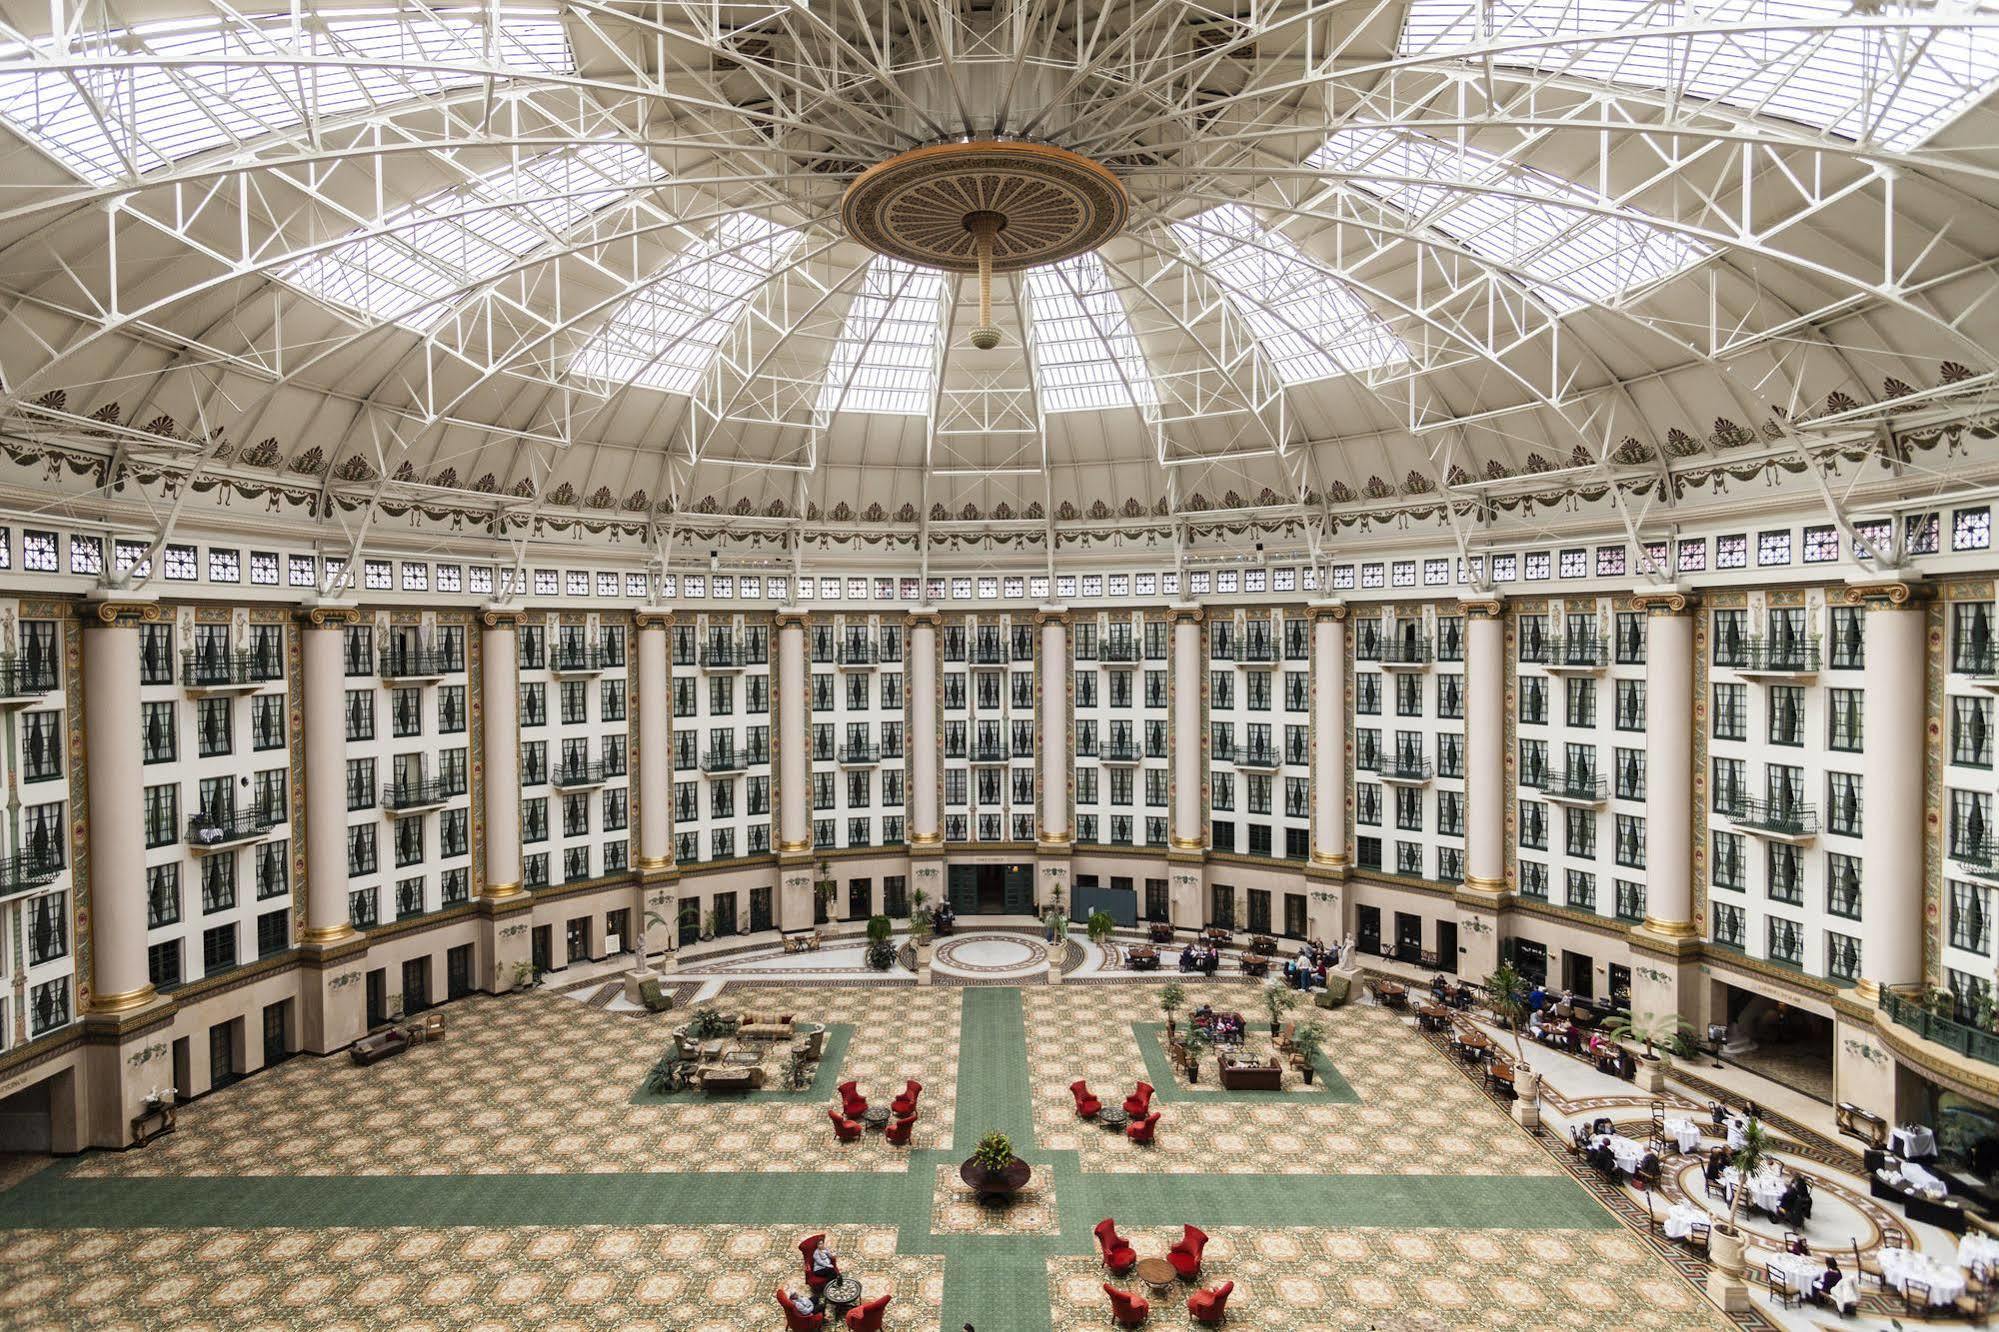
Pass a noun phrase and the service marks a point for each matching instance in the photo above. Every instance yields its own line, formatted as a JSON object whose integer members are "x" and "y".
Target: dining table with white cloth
{"x": 1913, "y": 1140}
{"x": 1681, "y": 1218}
{"x": 1901, "y": 1266}
{"x": 1766, "y": 1186}
{"x": 1797, "y": 1270}
{"x": 1978, "y": 1254}
{"x": 1627, "y": 1152}
{"x": 1923, "y": 1181}
{"x": 1684, "y": 1132}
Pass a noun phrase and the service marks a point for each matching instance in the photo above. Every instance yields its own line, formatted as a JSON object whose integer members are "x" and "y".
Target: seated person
{"x": 804, "y": 1302}
{"x": 1187, "y": 961}
{"x": 825, "y": 1263}
{"x": 1602, "y": 1127}
{"x": 1648, "y": 1165}
{"x": 1825, "y": 1289}
{"x": 1438, "y": 988}
{"x": 1462, "y": 998}
{"x": 1204, "y": 1015}
{"x": 1534, "y": 1027}
{"x": 1717, "y": 1161}
{"x": 1210, "y": 962}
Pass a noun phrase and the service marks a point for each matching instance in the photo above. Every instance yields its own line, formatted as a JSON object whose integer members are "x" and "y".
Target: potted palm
{"x": 1309, "y": 1040}
{"x": 1277, "y": 1001}
{"x": 1171, "y": 1000}
{"x": 994, "y": 1171}
{"x": 1725, "y": 1286}
{"x": 1099, "y": 927}
{"x": 1192, "y": 1046}
{"x": 881, "y": 952}
{"x": 919, "y": 935}
{"x": 1649, "y": 1030}
{"x": 1506, "y": 996}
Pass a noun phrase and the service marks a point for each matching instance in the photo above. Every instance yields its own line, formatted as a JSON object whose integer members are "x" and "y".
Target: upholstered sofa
{"x": 764, "y": 1026}
{"x": 1251, "y": 1075}
{"x": 379, "y": 1045}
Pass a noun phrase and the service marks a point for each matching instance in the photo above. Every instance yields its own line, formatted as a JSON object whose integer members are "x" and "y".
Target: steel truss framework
{"x": 177, "y": 179}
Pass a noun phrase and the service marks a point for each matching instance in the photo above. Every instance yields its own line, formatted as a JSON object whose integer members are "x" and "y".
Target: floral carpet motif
{"x": 1405, "y": 1280}
{"x": 954, "y": 1210}
{"x": 1416, "y": 1113}
{"x": 669, "y": 1278}
{"x": 537, "y": 1084}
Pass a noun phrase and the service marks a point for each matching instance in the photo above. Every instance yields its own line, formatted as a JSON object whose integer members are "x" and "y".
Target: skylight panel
{"x": 886, "y": 359}
{"x": 1086, "y": 357}
{"x": 447, "y": 240}
{"x": 665, "y": 336}
{"x": 1892, "y": 86}
{"x": 1306, "y": 321}
{"x": 1569, "y": 256}
{"x": 112, "y": 122}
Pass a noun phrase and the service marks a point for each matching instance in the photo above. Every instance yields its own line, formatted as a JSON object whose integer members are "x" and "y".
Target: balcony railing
{"x": 1120, "y": 751}
{"x": 1573, "y": 785}
{"x": 1784, "y": 818}
{"x": 987, "y": 654}
{"x": 859, "y": 754}
{"x": 229, "y": 670}
{"x": 1398, "y": 651}
{"x": 417, "y": 663}
{"x": 1405, "y": 768}
{"x": 404, "y": 795}
{"x": 25, "y": 677}
{"x": 572, "y": 659}
{"x": 1256, "y": 652}
{"x": 1977, "y": 854}
{"x": 858, "y": 654}
{"x": 206, "y": 831}
{"x": 987, "y": 753}
{"x": 25, "y": 873}
{"x": 725, "y": 656}
{"x": 1118, "y": 650}
{"x": 1969, "y": 1041}
{"x": 1576, "y": 654}
{"x": 725, "y": 760}
{"x": 1258, "y": 756}
{"x": 579, "y": 774}
{"x": 1786, "y": 656}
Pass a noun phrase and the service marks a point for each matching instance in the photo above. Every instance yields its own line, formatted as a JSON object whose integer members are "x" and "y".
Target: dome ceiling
{"x": 1442, "y": 255}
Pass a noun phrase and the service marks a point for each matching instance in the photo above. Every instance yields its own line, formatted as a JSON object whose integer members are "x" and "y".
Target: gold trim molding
{"x": 1664, "y": 603}
{"x": 323, "y": 935}
{"x": 652, "y": 618}
{"x": 1881, "y": 596}
{"x": 125, "y": 1001}
{"x": 123, "y": 614}
{"x": 1671, "y": 929}
{"x": 1481, "y": 608}
{"x": 499, "y": 892}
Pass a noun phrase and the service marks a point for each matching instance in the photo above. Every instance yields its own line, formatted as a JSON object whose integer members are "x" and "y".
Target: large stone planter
{"x": 922, "y": 962}
{"x": 1651, "y": 1075}
{"x": 1724, "y": 1279}
{"x": 1527, "y": 1098}
{"x": 1056, "y": 952}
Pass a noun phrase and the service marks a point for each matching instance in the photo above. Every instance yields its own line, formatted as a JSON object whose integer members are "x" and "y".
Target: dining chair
{"x": 1780, "y": 1289}
{"x": 1916, "y": 1297}
{"x": 1699, "y": 1236}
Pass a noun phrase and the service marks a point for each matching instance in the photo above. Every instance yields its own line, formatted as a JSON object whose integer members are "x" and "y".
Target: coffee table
{"x": 1113, "y": 1118}
{"x": 843, "y": 1292}
{"x": 875, "y": 1117}
{"x": 743, "y": 1058}
{"x": 1156, "y": 1273}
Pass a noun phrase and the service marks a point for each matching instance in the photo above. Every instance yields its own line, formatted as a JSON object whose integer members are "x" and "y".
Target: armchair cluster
{"x": 848, "y": 1119}
{"x": 1143, "y": 1121}
{"x": 864, "y": 1317}
{"x": 1129, "y": 1309}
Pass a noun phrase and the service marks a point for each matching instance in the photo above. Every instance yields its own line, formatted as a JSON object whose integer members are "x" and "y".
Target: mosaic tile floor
{"x": 483, "y": 1183}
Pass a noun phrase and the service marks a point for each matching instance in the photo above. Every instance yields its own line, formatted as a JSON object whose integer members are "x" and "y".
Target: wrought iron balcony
{"x": 1120, "y": 751}
{"x": 858, "y": 654}
{"x": 1406, "y": 769}
{"x": 1786, "y": 820}
{"x": 24, "y": 679}
{"x": 1255, "y": 652}
{"x": 1576, "y": 655}
{"x": 1118, "y": 651}
{"x": 725, "y": 656}
{"x": 857, "y": 756}
{"x": 1785, "y": 658}
{"x": 989, "y": 753}
{"x": 1258, "y": 756}
{"x": 1962, "y": 1038}
{"x": 1406, "y": 654}
{"x": 401, "y": 797}
{"x": 570, "y": 775}
{"x": 418, "y": 663}
{"x": 1575, "y": 787}
{"x": 217, "y": 671}
{"x": 725, "y": 760}
{"x": 1977, "y": 855}
{"x": 988, "y": 654}
{"x": 576, "y": 659}
{"x": 26, "y": 873}
{"x": 228, "y": 828}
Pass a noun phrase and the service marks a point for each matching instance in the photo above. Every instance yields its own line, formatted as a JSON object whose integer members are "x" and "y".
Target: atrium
{"x": 999, "y": 664}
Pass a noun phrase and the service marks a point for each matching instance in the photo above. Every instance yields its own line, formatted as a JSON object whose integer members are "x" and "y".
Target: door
{"x": 1620, "y": 986}
{"x": 1577, "y": 974}
{"x": 1259, "y": 910}
{"x": 541, "y": 948}
{"x": 378, "y": 997}
{"x": 725, "y": 915}
{"x": 458, "y": 972}
{"x": 1221, "y": 905}
{"x": 1158, "y": 906}
{"x": 1530, "y": 959}
{"x": 964, "y": 889}
{"x": 222, "y": 1054}
{"x": 688, "y": 925}
{"x": 618, "y": 926}
{"x": 1294, "y": 915}
{"x": 1018, "y": 899}
{"x": 1447, "y": 946}
{"x": 1367, "y": 921}
{"x": 1408, "y": 937}
{"x": 576, "y": 939}
{"x": 416, "y": 985}
{"x": 276, "y": 1045}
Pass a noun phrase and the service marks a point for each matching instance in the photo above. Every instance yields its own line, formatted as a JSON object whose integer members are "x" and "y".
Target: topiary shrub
{"x": 881, "y": 955}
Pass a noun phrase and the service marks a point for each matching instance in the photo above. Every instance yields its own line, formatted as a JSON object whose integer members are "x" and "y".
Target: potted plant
{"x": 1171, "y": 1000}
{"x": 1506, "y": 996}
{"x": 1649, "y": 1029}
{"x": 1726, "y": 1243}
{"x": 1192, "y": 1046}
{"x": 993, "y": 1170}
{"x": 824, "y": 887}
{"x": 1309, "y": 1040}
{"x": 1100, "y": 926}
{"x": 1277, "y": 1001}
{"x": 709, "y": 923}
{"x": 525, "y": 976}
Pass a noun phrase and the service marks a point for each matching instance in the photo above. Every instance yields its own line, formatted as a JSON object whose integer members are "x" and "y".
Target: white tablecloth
{"x": 1682, "y": 1218}
{"x": 1627, "y": 1152}
{"x": 1766, "y": 1190}
{"x": 1901, "y": 1266}
{"x": 1684, "y": 1132}
{"x": 1923, "y": 1180}
{"x": 1913, "y": 1140}
{"x": 1978, "y": 1253}
{"x": 1796, "y": 1270}
{"x": 1737, "y": 1132}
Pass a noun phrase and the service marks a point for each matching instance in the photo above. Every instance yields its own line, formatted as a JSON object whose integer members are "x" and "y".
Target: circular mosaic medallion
{"x": 1039, "y": 204}
{"x": 991, "y": 955}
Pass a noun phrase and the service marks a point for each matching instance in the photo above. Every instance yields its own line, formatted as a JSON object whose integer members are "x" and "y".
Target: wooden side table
{"x": 1156, "y": 1273}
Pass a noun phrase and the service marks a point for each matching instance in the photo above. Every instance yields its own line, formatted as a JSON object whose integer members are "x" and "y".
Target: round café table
{"x": 875, "y": 1117}
{"x": 1113, "y": 1118}
{"x": 843, "y": 1292}
{"x": 1156, "y": 1273}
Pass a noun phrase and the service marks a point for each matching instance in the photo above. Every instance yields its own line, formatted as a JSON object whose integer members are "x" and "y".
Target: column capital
{"x": 923, "y": 615}
{"x": 124, "y": 612}
{"x": 332, "y": 615}
{"x": 500, "y": 617}
{"x": 1186, "y": 612}
{"x": 1329, "y": 610}
{"x": 1051, "y": 615}
{"x": 1894, "y": 594}
{"x": 790, "y": 615}
{"x": 1481, "y": 608}
{"x": 1664, "y": 601}
{"x": 653, "y": 617}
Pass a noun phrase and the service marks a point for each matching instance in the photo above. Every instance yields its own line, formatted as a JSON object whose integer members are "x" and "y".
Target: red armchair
{"x": 897, "y": 1133}
{"x": 1141, "y": 1130}
{"x": 867, "y": 1317}
{"x": 906, "y": 1103}
{"x": 852, "y": 1104}
{"x": 1086, "y": 1104}
{"x": 1117, "y": 1251}
{"x": 1139, "y": 1102}
{"x": 1186, "y": 1255}
{"x": 1127, "y": 1309}
{"x": 1206, "y": 1306}
{"x": 795, "y": 1321}
{"x": 806, "y": 1248}
{"x": 845, "y": 1129}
